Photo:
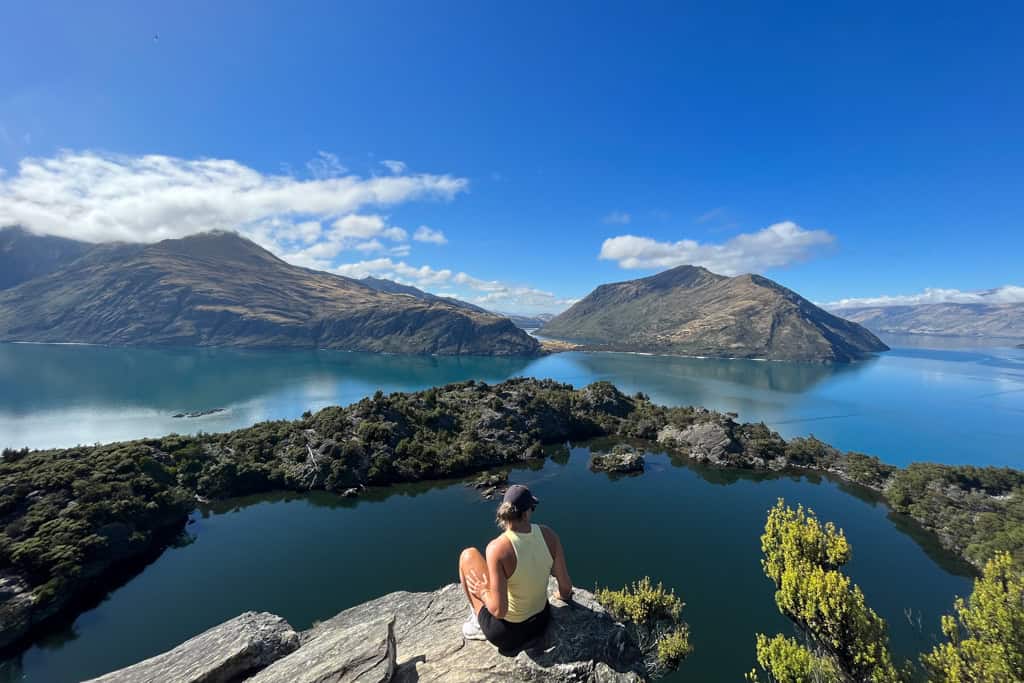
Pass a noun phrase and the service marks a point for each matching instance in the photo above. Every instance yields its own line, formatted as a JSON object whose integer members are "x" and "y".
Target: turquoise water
{"x": 696, "y": 529}
{"x": 306, "y": 558}
{"x": 956, "y": 405}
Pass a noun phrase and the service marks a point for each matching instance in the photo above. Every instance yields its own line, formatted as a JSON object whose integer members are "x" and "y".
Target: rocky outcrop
{"x": 490, "y": 484}
{"x": 402, "y": 637}
{"x": 219, "y": 289}
{"x": 622, "y": 460}
{"x": 691, "y": 311}
{"x": 582, "y": 642}
{"x": 707, "y": 442}
{"x": 361, "y": 653}
{"x": 226, "y": 653}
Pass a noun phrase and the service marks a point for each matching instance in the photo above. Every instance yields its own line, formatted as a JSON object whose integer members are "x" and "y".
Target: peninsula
{"x": 71, "y": 518}
{"x": 691, "y": 311}
{"x": 220, "y": 289}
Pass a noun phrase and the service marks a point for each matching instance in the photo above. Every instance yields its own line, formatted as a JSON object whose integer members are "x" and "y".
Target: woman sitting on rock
{"x": 508, "y": 592}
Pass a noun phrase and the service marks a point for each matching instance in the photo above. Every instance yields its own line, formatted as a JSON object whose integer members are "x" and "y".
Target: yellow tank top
{"x": 528, "y": 585}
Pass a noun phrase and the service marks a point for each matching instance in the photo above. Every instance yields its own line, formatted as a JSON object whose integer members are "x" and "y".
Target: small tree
{"x": 845, "y": 639}
{"x": 653, "y": 616}
{"x": 986, "y": 637}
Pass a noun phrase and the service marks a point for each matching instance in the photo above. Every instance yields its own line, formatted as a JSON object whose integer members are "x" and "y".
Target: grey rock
{"x": 362, "y": 653}
{"x": 705, "y": 441}
{"x": 223, "y": 654}
{"x": 582, "y": 643}
{"x": 619, "y": 461}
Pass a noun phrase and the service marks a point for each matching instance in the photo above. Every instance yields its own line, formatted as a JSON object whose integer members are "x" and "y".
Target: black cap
{"x": 520, "y": 497}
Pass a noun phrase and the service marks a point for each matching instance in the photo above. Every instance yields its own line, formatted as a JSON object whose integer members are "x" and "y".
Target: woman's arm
{"x": 492, "y": 590}
{"x": 559, "y": 570}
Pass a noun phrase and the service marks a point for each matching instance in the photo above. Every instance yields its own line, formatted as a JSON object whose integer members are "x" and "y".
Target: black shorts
{"x": 511, "y": 636}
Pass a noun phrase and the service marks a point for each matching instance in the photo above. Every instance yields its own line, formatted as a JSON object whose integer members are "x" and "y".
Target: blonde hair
{"x": 507, "y": 513}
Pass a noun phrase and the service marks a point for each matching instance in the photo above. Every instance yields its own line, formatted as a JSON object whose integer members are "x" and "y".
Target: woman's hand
{"x": 477, "y": 584}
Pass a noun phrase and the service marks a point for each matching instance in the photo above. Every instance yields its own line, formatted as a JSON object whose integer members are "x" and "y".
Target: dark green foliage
{"x": 977, "y": 510}
{"x": 68, "y": 515}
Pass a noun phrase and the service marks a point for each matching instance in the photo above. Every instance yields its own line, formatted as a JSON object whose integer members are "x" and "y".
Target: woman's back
{"x": 528, "y": 584}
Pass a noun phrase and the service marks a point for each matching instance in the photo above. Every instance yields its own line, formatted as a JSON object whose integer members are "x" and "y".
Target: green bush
{"x": 653, "y": 616}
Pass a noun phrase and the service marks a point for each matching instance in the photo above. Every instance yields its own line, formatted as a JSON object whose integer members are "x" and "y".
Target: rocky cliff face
{"x": 218, "y": 289}
{"x": 401, "y": 637}
{"x": 692, "y": 311}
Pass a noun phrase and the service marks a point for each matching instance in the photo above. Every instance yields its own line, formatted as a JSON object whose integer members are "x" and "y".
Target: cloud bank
{"x": 777, "y": 245}
{"x": 1008, "y": 294}
{"x": 486, "y": 293}
{"x": 102, "y": 197}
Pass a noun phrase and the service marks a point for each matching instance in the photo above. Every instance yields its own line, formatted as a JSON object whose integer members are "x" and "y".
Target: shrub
{"x": 653, "y": 616}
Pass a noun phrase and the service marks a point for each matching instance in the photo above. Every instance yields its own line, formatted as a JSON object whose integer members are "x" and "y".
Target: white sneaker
{"x": 471, "y": 629}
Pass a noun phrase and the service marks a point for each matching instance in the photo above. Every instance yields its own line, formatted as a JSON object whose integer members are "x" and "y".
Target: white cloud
{"x": 325, "y": 165}
{"x": 777, "y": 245}
{"x": 396, "y": 167}
{"x": 103, "y": 197}
{"x": 487, "y": 293}
{"x": 355, "y": 225}
{"x": 617, "y": 218}
{"x": 1007, "y": 294}
{"x": 427, "y": 234}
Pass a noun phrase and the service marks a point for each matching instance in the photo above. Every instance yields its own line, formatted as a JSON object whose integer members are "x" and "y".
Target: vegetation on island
{"x": 69, "y": 516}
{"x": 843, "y": 639}
{"x": 653, "y": 616}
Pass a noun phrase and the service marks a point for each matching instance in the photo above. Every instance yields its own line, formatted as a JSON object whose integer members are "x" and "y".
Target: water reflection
{"x": 791, "y": 378}
{"x": 306, "y": 557}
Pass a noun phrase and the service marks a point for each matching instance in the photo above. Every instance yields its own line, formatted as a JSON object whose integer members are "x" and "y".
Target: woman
{"x": 508, "y": 591}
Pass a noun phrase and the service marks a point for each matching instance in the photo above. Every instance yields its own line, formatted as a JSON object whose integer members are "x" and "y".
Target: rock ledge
{"x": 400, "y": 637}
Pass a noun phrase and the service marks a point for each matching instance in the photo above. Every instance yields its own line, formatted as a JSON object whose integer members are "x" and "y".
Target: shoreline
{"x": 432, "y": 435}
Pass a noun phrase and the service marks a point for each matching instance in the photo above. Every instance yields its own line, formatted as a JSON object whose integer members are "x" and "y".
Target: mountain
{"x": 690, "y": 310}
{"x": 528, "y": 322}
{"x": 382, "y": 285}
{"x": 219, "y": 289}
{"x": 525, "y": 322}
{"x": 953, "y": 319}
{"x": 25, "y": 255}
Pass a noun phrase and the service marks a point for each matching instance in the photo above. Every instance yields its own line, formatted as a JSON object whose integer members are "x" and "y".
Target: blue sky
{"x": 884, "y": 143}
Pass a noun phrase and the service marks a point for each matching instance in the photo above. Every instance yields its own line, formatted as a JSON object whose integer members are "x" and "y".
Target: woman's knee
{"x": 469, "y": 556}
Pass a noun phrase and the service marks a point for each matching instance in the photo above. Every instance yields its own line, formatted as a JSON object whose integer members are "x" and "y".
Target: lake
{"x": 694, "y": 528}
{"x": 954, "y": 405}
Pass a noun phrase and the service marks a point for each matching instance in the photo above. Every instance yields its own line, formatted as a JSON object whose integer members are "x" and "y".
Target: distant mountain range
{"x": 690, "y": 310}
{"x": 529, "y": 322}
{"x": 954, "y": 319}
{"x": 219, "y": 289}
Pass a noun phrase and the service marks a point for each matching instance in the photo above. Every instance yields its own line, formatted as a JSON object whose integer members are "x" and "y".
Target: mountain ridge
{"x": 220, "y": 289}
{"x": 689, "y": 310}
{"x": 999, "y": 320}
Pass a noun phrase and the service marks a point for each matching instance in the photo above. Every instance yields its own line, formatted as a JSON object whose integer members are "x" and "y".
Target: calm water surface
{"x": 956, "y": 405}
{"x": 697, "y": 530}
{"x": 306, "y": 558}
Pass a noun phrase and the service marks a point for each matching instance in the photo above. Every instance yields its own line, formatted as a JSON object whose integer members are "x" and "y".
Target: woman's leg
{"x": 471, "y": 561}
